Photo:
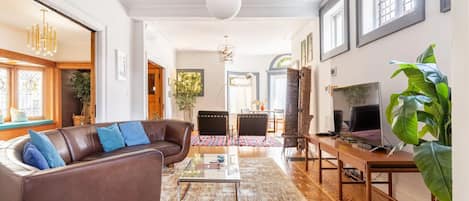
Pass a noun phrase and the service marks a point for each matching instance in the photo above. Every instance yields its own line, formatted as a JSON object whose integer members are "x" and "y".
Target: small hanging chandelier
{"x": 226, "y": 51}
{"x": 43, "y": 39}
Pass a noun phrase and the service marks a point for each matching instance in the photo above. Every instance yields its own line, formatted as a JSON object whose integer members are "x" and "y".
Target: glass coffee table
{"x": 211, "y": 168}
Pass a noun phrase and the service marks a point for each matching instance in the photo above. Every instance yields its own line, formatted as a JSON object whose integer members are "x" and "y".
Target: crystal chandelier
{"x": 226, "y": 51}
{"x": 43, "y": 39}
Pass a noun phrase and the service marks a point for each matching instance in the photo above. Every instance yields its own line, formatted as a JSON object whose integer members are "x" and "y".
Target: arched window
{"x": 282, "y": 61}
{"x": 277, "y": 81}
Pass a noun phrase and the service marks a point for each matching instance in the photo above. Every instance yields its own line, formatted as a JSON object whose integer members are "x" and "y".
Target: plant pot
{"x": 188, "y": 115}
{"x": 79, "y": 120}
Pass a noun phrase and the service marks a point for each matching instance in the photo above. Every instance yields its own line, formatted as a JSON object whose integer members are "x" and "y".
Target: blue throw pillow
{"x": 111, "y": 138}
{"x": 33, "y": 157}
{"x": 133, "y": 133}
{"x": 47, "y": 149}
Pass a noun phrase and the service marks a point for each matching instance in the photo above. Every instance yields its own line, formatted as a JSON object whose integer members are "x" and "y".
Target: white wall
{"x": 371, "y": 63}
{"x": 161, "y": 51}
{"x": 460, "y": 98}
{"x": 14, "y": 39}
{"x": 318, "y": 83}
{"x": 117, "y": 31}
{"x": 254, "y": 63}
{"x": 214, "y": 79}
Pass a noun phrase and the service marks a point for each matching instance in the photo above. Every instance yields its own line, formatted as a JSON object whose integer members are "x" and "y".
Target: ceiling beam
{"x": 307, "y": 9}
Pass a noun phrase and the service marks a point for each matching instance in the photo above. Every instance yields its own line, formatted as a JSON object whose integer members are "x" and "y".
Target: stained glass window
{"x": 30, "y": 90}
{"x": 4, "y": 96}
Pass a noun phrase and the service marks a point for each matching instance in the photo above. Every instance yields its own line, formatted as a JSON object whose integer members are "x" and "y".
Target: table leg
{"x": 237, "y": 191}
{"x": 368, "y": 184}
{"x": 178, "y": 191}
{"x": 339, "y": 170}
{"x": 307, "y": 155}
{"x": 320, "y": 165}
{"x": 390, "y": 184}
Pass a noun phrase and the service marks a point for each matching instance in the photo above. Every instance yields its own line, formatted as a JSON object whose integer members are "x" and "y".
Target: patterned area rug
{"x": 251, "y": 141}
{"x": 261, "y": 179}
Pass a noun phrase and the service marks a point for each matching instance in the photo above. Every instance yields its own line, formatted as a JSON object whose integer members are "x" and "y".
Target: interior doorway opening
{"x": 155, "y": 91}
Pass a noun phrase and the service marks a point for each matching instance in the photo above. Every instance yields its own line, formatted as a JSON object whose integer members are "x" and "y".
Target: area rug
{"x": 251, "y": 141}
{"x": 261, "y": 179}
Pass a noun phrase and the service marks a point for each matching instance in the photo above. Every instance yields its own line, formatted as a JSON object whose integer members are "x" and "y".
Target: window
{"x": 22, "y": 88}
{"x": 4, "y": 89}
{"x": 277, "y": 82}
{"x": 243, "y": 91}
{"x": 378, "y": 18}
{"x": 30, "y": 99}
{"x": 334, "y": 28}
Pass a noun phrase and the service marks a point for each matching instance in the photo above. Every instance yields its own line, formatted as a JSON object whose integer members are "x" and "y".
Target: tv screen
{"x": 357, "y": 112}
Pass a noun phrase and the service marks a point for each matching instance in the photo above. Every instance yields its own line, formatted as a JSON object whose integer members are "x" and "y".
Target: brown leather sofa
{"x": 130, "y": 173}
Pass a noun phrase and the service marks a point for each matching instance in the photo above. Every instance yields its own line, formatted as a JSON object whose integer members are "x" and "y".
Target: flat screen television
{"x": 357, "y": 113}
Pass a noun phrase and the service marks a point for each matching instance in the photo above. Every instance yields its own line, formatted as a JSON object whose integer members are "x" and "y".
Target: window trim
{"x": 346, "y": 45}
{"x": 400, "y": 23}
{"x": 228, "y": 73}
{"x": 13, "y": 90}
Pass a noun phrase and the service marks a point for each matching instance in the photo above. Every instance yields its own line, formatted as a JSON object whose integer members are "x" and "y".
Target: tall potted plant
{"x": 425, "y": 108}
{"x": 187, "y": 87}
{"x": 81, "y": 86}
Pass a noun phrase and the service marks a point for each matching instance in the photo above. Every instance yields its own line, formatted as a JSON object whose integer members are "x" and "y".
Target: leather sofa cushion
{"x": 167, "y": 148}
{"x": 60, "y": 144}
{"x": 155, "y": 131}
{"x": 83, "y": 141}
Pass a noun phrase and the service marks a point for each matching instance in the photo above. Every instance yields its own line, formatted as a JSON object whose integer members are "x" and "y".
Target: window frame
{"x": 407, "y": 20}
{"x": 13, "y": 90}
{"x": 228, "y": 73}
{"x": 325, "y": 55}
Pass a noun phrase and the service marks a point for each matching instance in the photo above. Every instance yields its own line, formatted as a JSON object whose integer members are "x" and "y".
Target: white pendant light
{"x": 223, "y": 9}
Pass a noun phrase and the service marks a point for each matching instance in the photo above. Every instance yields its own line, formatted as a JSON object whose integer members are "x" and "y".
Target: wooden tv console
{"x": 363, "y": 160}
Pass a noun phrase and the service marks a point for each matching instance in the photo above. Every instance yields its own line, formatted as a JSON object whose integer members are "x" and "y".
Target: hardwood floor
{"x": 306, "y": 182}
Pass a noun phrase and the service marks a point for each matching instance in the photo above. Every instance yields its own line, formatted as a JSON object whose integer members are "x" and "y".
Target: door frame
{"x": 98, "y": 59}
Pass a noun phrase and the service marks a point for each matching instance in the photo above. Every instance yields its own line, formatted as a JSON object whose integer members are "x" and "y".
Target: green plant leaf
{"x": 434, "y": 162}
{"x": 405, "y": 120}
{"x": 428, "y": 56}
{"x": 394, "y": 101}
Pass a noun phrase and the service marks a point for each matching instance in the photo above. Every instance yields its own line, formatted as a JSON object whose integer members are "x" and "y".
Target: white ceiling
{"x": 151, "y": 9}
{"x": 249, "y": 36}
{"x": 21, "y": 14}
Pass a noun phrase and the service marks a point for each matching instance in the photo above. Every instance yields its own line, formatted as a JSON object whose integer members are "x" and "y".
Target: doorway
{"x": 155, "y": 91}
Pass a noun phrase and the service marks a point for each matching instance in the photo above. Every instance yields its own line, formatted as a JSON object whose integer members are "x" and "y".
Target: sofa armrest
{"x": 179, "y": 132}
{"x": 132, "y": 176}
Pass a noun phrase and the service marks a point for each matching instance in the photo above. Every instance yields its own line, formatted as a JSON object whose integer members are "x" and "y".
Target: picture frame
{"x": 122, "y": 63}
{"x": 303, "y": 53}
{"x": 445, "y": 6}
{"x": 199, "y": 72}
{"x": 309, "y": 44}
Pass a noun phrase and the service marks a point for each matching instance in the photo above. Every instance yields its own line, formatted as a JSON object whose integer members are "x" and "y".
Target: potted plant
{"x": 81, "y": 86}
{"x": 421, "y": 116}
{"x": 187, "y": 87}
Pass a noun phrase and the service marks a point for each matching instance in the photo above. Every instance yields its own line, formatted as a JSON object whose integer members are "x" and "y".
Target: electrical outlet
{"x": 334, "y": 71}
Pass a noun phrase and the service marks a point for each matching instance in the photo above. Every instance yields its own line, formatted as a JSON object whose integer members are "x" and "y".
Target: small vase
{"x": 188, "y": 115}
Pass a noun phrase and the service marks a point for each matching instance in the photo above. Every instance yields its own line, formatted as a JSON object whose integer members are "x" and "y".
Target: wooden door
{"x": 155, "y": 91}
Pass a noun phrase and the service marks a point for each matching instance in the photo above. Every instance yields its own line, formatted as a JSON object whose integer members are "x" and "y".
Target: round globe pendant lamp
{"x": 223, "y": 9}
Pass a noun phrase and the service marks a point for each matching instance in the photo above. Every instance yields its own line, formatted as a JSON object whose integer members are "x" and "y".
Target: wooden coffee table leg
{"x": 339, "y": 170}
{"x": 237, "y": 191}
{"x": 368, "y": 184}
